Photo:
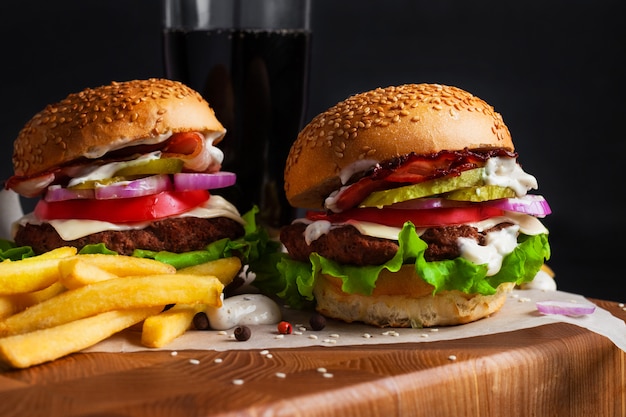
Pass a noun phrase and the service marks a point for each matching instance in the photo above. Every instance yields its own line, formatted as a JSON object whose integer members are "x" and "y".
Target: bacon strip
{"x": 413, "y": 169}
{"x": 184, "y": 144}
{"x": 190, "y": 147}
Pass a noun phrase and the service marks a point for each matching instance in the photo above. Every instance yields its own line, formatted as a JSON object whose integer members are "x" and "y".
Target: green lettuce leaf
{"x": 293, "y": 281}
{"x": 253, "y": 246}
{"x": 9, "y": 251}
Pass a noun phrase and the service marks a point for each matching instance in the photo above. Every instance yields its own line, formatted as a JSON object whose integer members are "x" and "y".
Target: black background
{"x": 553, "y": 69}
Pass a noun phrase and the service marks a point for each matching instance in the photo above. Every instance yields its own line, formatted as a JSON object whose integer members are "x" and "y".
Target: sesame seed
{"x": 281, "y": 375}
{"x": 218, "y": 360}
{"x": 194, "y": 361}
{"x": 237, "y": 381}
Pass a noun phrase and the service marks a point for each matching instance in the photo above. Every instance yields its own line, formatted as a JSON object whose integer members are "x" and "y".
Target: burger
{"x": 130, "y": 167}
{"x": 415, "y": 209}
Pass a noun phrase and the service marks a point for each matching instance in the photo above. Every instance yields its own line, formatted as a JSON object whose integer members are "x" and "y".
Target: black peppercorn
{"x": 317, "y": 321}
{"x": 242, "y": 333}
{"x": 201, "y": 321}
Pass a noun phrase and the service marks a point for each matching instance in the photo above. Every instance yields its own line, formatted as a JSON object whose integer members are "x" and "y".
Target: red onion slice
{"x": 58, "y": 193}
{"x": 189, "y": 181}
{"x": 565, "y": 308}
{"x": 135, "y": 188}
{"x": 534, "y": 205}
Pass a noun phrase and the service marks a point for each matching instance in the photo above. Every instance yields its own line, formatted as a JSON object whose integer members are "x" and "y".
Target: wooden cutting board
{"x": 552, "y": 370}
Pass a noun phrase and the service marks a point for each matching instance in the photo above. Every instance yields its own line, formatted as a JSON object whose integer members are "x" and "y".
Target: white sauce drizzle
{"x": 542, "y": 281}
{"x": 243, "y": 309}
{"x": 360, "y": 165}
{"x": 316, "y": 229}
{"x": 506, "y": 172}
{"x": 498, "y": 244}
{"x": 345, "y": 174}
{"x": 330, "y": 203}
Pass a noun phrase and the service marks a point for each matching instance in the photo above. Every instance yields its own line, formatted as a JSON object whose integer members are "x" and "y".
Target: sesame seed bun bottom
{"x": 401, "y": 302}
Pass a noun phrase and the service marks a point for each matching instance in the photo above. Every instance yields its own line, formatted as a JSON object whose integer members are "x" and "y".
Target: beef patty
{"x": 346, "y": 245}
{"x": 174, "y": 235}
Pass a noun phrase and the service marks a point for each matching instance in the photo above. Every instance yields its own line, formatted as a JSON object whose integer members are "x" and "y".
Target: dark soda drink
{"x": 256, "y": 81}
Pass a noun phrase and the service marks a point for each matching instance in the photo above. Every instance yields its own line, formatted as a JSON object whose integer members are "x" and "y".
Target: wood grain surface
{"x": 552, "y": 370}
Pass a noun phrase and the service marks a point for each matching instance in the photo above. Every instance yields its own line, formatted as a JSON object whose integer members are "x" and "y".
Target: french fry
{"x": 76, "y": 272}
{"x": 80, "y": 270}
{"x": 225, "y": 269}
{"x": 124, "y": 266}
{"x": 115, "y": 294}
{"x": 33, "y": 348}
{"x": 32, "y": 274}
{"x": 14, "y": 303}
{"x": 58, "y": 253}
{"x": 161, "y": 329}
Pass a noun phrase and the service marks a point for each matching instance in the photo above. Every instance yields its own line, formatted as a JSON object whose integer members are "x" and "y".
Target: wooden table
{"x": 552, "y": 370}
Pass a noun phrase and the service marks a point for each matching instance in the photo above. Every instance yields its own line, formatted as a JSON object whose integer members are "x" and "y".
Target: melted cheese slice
{"x": 528, "y": 225}
{"x": 216, "y": 206}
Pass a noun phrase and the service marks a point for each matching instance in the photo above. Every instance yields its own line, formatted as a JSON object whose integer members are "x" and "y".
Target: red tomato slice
{"x": 420, "y": 218}
{"x": 135, "y": 209}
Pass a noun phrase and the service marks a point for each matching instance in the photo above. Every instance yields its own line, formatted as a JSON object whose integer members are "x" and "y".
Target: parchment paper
{"x": 518, "y": 312}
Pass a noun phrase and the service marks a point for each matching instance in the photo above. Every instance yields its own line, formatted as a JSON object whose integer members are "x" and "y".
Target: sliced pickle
{"x": 90, "y": 184}
{"x": 480, "y": 193}
{"x": 469, "y": 178}
{"x": 151, "y": 167}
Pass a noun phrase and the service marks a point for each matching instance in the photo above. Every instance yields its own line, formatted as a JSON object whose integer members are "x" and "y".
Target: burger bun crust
{"x": 95, "y": 120}
{"x": 403, "y": 299}
{"x": 382, "y": 124}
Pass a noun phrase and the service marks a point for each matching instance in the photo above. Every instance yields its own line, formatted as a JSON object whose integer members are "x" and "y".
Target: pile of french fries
{"x": 62, "y": 302}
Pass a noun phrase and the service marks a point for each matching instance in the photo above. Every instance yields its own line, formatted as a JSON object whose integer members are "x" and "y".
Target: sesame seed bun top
{"x": 96, "y": 120}
{"x": 382, "y": 124}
